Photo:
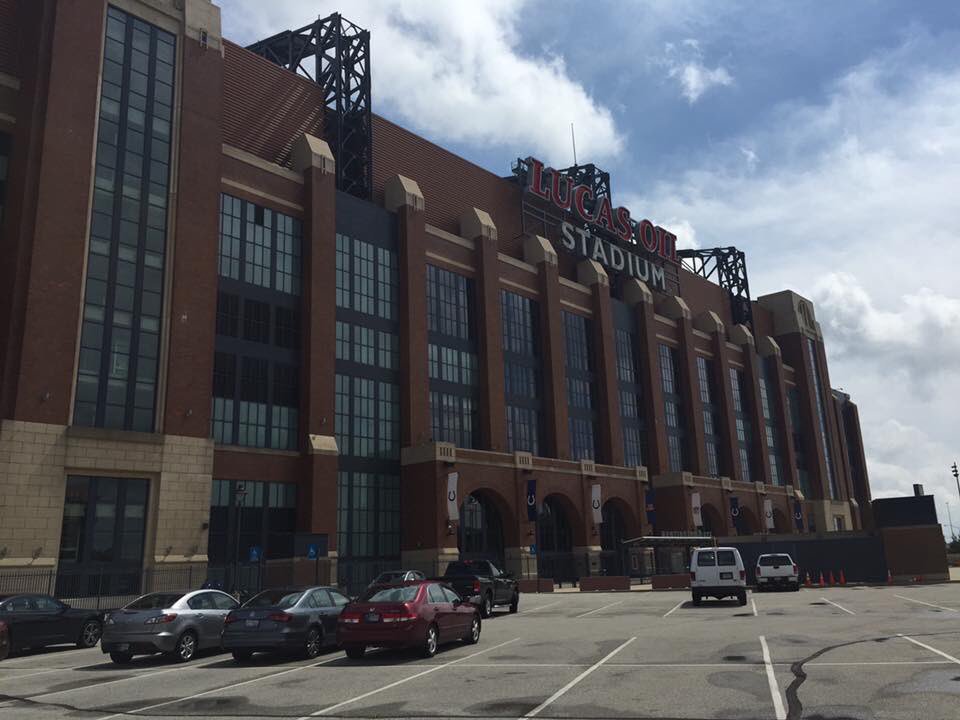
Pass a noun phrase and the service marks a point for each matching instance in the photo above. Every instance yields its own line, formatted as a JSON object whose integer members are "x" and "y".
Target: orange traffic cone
{"x": 821, "y": 579}
{"x": 832, "y": 582}
{"x": 889, "y": 578}
{"x": 807, "y": 581}
{"x": 843, "y": 580}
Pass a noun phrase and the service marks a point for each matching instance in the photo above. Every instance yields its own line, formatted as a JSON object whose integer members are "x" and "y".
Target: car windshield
{"x": 154, "y": 601}
{"x": 274, "y": 598}
{"x": 771, "y": 560}
{"x": 407, "y": 593}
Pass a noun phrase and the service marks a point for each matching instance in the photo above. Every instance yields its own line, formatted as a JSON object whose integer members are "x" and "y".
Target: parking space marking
{"x": 433, "y": 669}
{"x": 591, "y": 612}
{"x": 932, "y": 649}
{"x": 541, "y": 607}
{"x": 46, "y": 672}
{"x": 753, "y": 604}
{"x": 675, "y": 607}
{"x": 772, "y": 681}
{"x": 562, "y": 691}
{"x": 838, "y": 605}
{"x": 939, "y": 607}
{"x": 183, "y": 666}
{"x": 225, "y": 687}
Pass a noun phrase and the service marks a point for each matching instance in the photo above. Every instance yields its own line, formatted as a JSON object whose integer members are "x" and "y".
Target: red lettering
{"x": 625, "y": 229}
{"x": 648, "y": 236}
{"x": 579, "y": 193}
{"x": 604, "y": 214}
{"x": 535, "y": 179}
{"x": 668, "y": 244}
{"x": 556, "y": 179}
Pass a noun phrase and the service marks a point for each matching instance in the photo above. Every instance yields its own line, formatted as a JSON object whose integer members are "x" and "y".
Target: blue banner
{"x": 798, "y": 515}
{"x": 532, "y": 505}
{"x": 651, "y": 508}
{"x": 735, "y": 513}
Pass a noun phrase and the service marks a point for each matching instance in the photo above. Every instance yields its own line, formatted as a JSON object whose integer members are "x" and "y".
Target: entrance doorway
{"x": 481, "y": 529}
{"x": 556, "y": 541}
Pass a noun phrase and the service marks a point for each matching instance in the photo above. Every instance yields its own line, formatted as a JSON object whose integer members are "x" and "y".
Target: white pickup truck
{"x": 777, "y": 570}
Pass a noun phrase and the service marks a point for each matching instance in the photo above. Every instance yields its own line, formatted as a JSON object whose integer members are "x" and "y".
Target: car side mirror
{"x": 457, "y": 602}
{"x": 66, "y": 606}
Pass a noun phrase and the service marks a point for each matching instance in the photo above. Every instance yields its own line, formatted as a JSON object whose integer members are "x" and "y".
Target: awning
{"x": 674, "y": 540}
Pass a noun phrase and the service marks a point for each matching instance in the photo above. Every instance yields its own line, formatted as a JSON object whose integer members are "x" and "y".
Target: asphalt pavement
{"x": 891, "y": 652}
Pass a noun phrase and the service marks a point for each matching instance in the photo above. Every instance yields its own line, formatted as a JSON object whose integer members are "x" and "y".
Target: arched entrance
{"x": 612, "y": 534}
{"x": 781, "y": 524}
{"x": 481, "y": 529}
{"x": 712, "y": 520}
{"x": 747, "y": 522}
{"x": 555, "y": 537}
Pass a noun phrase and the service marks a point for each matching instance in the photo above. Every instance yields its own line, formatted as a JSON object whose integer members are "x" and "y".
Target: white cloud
{"x": 855, "y": 207}
{"x": 457, "y": 71}
{"x": 684, "y": 63}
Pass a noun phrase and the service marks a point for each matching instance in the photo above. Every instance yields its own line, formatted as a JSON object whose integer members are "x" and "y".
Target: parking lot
{"x": 890, "y": 652}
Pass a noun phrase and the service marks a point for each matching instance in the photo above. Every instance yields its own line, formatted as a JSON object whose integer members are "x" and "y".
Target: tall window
{"x": 822, "y": 419}
{"x": 580, "y": 386}
{"x": 799, "y": 446}
{"x": 367, "y": 391}
{"x": 629, "y": 385}
{"x": 4, "y": 169}
{"x": 673, "y": 408}
{"x": 120, "y": 336}
{"x": 251, "y": 514}
{"x": 767, "y": 397}
{"x": 256, "y": 385}
{"x": 521, "y": 371}
{"x": 711, "y": 414}
{"x": 452, "y": 354}
{"x": 744, "y": 429}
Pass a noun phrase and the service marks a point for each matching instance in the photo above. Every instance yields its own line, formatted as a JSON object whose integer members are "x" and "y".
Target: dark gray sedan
{"x": 290, "y": 620}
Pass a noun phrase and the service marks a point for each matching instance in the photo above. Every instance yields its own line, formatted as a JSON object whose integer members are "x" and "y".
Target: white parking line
{"x": 218, "y": 689}
{"x": 591, "y": 612}
{"x": 433, "y": 669}
{"x": 542, "y": 607}
{"x": 772, "y": 681}
{"x": 940, "y": 607}
{"x": 562, "y": 691}
{"x": 932, "y": 649}
{"x": 753, "y": 604}
{"x": 838, "y": 605}
{"x": 46, "y": 672}
{"x": 184, "y": 666}
{"x": 675, "y": 607}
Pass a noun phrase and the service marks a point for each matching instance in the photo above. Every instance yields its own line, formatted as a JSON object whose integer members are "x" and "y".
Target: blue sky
{"x": 823, "y": 138}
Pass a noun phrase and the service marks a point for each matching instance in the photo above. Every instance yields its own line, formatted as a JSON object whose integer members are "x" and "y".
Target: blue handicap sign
{"x": 312, "y": 551}
{"x": 533, "y": 549}
{"x": 255, "y": 552}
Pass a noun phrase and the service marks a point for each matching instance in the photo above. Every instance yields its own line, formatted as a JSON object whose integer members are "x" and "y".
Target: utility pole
{"x": 953, "y": 535}
{"x": 956, "y": 475}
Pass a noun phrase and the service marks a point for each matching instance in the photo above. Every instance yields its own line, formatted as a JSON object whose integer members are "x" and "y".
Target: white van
{"x": 717, "y": 572}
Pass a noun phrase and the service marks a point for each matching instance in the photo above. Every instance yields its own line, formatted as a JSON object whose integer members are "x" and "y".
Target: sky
{"x": 821, "y": 138}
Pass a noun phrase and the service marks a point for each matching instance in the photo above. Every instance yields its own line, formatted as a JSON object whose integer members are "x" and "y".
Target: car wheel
{"x": 473, "y": 634}
{"x": 430, "y": 642}
{"x": 312, "y": 643}
{"x": 242, "y": 655}
{"x": 796, "y": 586}
{"x": 697, "y": 599}
{"x": 515, "y": 603}
{"x": 486, "y": 607}
{"x": 4, "y": 648}
{"x": 89, "y": 634}
{"x": 185, "y": 648}
{"x": 355, "y": 652}
{"x": 121, "y": 658}
{"x": 742, "y": 598}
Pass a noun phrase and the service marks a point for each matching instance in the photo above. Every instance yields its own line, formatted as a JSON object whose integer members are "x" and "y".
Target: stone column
{"x": 402, "y": 196}
{"x": 610, "y": 434}
{"x": 477, "y": 225}
{"x": 539, "y": 252}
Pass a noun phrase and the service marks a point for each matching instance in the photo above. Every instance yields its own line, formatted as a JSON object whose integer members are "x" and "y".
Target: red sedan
{"x": 419, "y": 614}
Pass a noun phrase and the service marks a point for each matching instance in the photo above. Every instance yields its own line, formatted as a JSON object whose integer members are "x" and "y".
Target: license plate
{"x": 372, "y": 617}
{"x": 252, "y": 623}
{"x": 123, "y": 647}
{"x": 726, "y": 576}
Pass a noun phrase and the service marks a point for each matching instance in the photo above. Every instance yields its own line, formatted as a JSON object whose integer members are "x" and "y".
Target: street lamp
{"x": 956, "y": 475}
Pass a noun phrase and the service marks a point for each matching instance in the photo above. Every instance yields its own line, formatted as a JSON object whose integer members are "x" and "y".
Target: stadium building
{"x": 245, "y": 319}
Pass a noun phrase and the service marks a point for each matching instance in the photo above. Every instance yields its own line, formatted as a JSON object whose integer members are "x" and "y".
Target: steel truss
{"x": 728, "y": 268}
{"x": 341, "y": 67}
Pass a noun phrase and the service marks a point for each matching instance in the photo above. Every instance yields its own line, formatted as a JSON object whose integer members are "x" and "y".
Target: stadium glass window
{"x": 738, "y": 389}
{"x": 630, "y": 388}
{"x": 522, "y": 377}
{"x": 824, "y": 433}
{"x": 711, "y": 414}
{"x": 673, "y": 408}
{"x": 768, "y": 398}
{"x": 581, "y": 386}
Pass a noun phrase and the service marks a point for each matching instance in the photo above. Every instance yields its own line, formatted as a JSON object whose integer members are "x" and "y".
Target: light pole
{"x": 956, "y": 475}
{"x": 953, "y": 535}
{"x": 240, "y": 495}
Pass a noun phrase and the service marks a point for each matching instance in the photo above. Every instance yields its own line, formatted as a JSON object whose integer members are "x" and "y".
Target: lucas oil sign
{"x": 602, "y": 232}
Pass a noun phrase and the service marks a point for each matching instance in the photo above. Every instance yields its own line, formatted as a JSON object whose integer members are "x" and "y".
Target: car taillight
{"x": 351, "y": 618}
{"x": 159, "y": 619}
{"x": 398, "y": 617}
{"x": 796, "y": 570}
{"x": 743, "y": 574}
{"x": 693, "y": 575}
{"x": 476, "y": 586}
{"x": 230, "y": 618}
{"x": 758, "y": 571}
{"x": 281, "y": 617}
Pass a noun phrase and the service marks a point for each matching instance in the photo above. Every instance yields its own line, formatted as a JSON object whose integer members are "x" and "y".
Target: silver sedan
{"x": 174, "y": 623}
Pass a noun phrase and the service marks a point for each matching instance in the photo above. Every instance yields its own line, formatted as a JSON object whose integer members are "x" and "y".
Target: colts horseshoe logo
{"x": 797, "y": 516}
{"x": 531, "y": 500}
{"x": 452, "y": 495}
{"x": 596, "y": 504}
{"x": 735, "y": 512}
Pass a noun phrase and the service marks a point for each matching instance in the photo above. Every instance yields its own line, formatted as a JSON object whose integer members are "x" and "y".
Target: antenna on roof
{"x": 573, "y": 139}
